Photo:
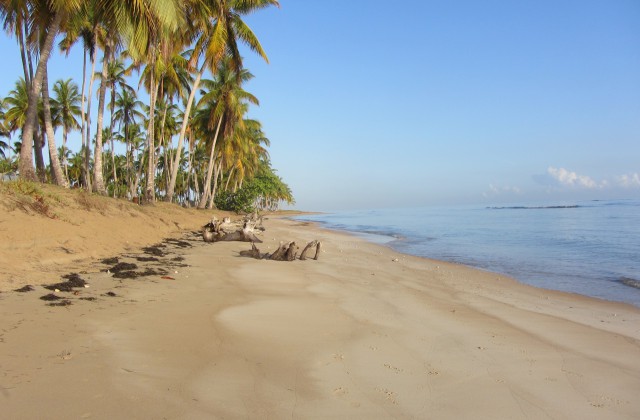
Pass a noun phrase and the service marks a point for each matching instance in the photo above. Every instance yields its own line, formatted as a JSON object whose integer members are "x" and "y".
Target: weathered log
{"x": 207, "y": 235}
{"x": 215, "y": 231}
{"x": 287, "y": 251}
{"x": 317, "y": 251}
{"x": 291, "y": 252}
{"x": 279, "y": 253}
{"x": 253, "y": 253}
{"x": 303, "y": 255}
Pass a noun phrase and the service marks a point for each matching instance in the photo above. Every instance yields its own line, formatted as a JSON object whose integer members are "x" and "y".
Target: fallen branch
{"x": 287, "y": 251}
{"x": 216, "y": 231}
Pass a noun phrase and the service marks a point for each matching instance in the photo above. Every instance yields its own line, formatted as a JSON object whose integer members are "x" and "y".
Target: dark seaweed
{"x": 123, "y": 267}
{"x": 147, "y": 259}
{"x": 27, "y": 288}
{"x": 50, "y": 297}
{"x": 154, "y": 250}
{"x": 61, "y": 303}
{"x": 136, "y": 274}
{"x": 73, "y": 281}
{"x": 113, "y": 260}
{"x": 178, "y": 243}
{"x": 110, "y": 294}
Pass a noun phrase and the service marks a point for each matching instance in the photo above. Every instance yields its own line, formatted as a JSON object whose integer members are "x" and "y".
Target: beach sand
{"x": 362, "y": 333}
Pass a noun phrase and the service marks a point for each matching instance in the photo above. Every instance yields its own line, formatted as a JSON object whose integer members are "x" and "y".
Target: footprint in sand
{"x": 393, "y": 368}
{"x": 340, "y": 391}
{"x": 388, "y": 395}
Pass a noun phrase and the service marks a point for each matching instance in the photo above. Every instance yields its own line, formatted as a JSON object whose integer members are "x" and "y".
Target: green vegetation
{"x": 262, "y": 192}
{"x": 191, "y": 142}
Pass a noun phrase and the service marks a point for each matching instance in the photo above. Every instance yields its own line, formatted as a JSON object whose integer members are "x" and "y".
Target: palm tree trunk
{"x": 38, "y": 143}
{"x": 226, "y": 185}
{"x": 65, "y": 162}
{"x": 216, "y": 169}
{"x": 26, "y": 152}
{"x": 150, "y": 190}
{"x": 83, "y": 124}
{"x": 217, "y": 177}
{"x": 87, "y": 150}
{"x": 56, "y": 169}
{"x": 23, "y": 52}
{"x": 183, "y": 131}
{"x": 98, "y": 176}
{"x": 112, "y": 125}
{"x": 207, "y": 185}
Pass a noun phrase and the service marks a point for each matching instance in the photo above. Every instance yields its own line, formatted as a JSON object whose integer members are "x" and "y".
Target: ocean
{"x": 590, "y": 248}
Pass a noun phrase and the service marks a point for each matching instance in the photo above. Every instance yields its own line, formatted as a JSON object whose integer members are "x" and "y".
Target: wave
{"x": 572, "y": 206}
{"x": 627, "y": 281}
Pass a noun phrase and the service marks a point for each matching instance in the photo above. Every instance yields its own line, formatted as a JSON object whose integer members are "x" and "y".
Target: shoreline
{"x": 364, "y": 332}
{"x": 394, "y": 240}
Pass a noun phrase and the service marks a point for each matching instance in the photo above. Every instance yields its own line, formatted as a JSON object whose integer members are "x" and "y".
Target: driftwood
{"x": 287, "y": 251}
{"x": 309, "y": 246}
{"x": 226, "y": 230}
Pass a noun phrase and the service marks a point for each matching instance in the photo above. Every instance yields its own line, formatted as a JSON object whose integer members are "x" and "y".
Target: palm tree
{"x": 4, "y": 132}
{"x": 150, "y": 35}
{"x": 48, "y": 24}
{"x": 85, "y": 25}
{"x": 218, "y": 27}
{"x": 116, "y": 73}
{"x": 127, "y": 112}
{"x": 56, "y": 169}
{"x": 16, "y": 106}
{"x": 227, "y": 102}
{"x": 67, "y": 100}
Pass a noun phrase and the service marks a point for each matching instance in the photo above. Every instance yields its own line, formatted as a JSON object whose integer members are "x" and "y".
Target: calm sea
{"x": 591, "y": 248}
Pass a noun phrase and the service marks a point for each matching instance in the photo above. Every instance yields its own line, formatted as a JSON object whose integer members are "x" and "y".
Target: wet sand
{"x": 363, "y": 332}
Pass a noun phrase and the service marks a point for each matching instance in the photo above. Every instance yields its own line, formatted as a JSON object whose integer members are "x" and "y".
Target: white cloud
{"x": 629, "y": 180}
{"x": 572, "y": 179}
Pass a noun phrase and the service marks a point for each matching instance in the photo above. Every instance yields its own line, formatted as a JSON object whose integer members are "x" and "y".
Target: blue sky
{"x": 368, "y": 104}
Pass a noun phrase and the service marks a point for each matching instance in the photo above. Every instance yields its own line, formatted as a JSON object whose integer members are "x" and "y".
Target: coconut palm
{"x": 16, "y": 104}
{"x": 85, "y": 25}
{"x": 127, "y": 113}
{"x": 56, "y": 168}
{"x": 4, "y": 132}
{"x": 227, "y": 101}
{"x": 45, "y": 25}
{"x": 116, "y": 76}
{"x": 217, "y": 26}
{"x": 67, "y": 100}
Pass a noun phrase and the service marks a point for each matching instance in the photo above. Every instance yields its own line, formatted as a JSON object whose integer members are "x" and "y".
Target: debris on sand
{"x": 50, "y": 297}
{"x": 155, "y": 250}
{"x": 122, "y": 267}
{"x": 135, "y": 274}
{"x": 110, "y": 294}
{"x": 73, "y": 281}
{"x": 27, "y": 288}
{"x": 64, "y": 302}
{"x": 108, "y": 261}
{"x": 147, "y": 259}
{"x": 177, "y": 242}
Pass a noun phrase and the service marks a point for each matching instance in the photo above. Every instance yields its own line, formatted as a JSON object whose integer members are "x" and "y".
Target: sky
{"x": 370, "y": 104}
